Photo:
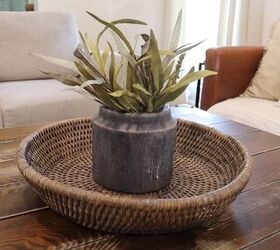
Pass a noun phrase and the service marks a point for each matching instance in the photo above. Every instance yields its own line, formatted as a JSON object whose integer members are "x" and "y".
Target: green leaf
{"x": 79, "y": 90}
{"x": 133, "y": 104}
{"x": 150, "y": 108}
{"x": 169, "y": 97}
{"x": 85, "y": 46}
{"x": 185, "y": 49}
{"x": 64, "y": 78}
{"x": 129, "y": 21}
{"x": 117, "y": 72}
{"x": 120, "y": 21}
{"x": 168, "y": 70}
{"x": 173, "y": 91}
{"x": 179, "y": 51}
{"x": 98, "y": 75}
{"x": 105, "y": 55}
{"x": 182, "y": 46}
{"x": 96, "y": 54}
{"x": 129, "y": 77}
{"x": 143, "y": 58}
{"x": 122, "y": 50}
{"x": 156, "y": 64}
{"x": 176, "y": 32}
{"x": 120, "y": 93}
{"x": 164, "y": 52}
{"x": 103, "y": 95}
{"x": 83, "y": 71}
{"x": 161, "y": 52}
{"x": 141, "y": 88}
{"x": 117, "y": 104}
{"x": 115, "y": 29}
{"x": 189, "y": 78}
{"x": 57, "y": 61}
{"x": 124, "y": 104}
{"x": 112, "y": 68}
{"x": 89, "y": 83}
{"x": 191, "y": 70}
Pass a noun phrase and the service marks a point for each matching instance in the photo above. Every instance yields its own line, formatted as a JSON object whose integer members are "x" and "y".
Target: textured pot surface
{"x": 133, "y": 152}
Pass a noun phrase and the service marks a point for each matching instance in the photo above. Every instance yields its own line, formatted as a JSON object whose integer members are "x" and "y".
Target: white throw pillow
{"x": 266, "y": 82}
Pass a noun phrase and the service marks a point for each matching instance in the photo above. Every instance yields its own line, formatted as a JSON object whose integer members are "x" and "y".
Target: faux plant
{"x": 121, "y": 79}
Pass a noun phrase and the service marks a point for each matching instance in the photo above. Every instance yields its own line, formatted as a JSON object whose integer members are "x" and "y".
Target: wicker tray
{"x": 210, "y": 170}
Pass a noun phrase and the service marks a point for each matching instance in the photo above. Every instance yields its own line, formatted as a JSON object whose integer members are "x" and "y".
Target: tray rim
{"x": 34, "y": 177}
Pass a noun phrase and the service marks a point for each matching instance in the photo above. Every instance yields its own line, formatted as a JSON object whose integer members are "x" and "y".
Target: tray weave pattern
{"x": 210, "y": 170}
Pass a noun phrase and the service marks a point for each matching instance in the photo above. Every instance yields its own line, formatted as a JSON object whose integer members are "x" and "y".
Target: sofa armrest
{"x": 235, "y": 66}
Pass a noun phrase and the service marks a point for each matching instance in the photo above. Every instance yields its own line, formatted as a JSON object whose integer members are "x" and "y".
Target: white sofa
{"x": 26, "y": 96}
{"x": 258, "y": 113}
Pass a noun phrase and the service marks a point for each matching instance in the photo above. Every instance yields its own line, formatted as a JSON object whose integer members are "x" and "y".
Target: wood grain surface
{"x": 252, "y": 222}
{"x": 9, "y": 173}
{"x": 18, "y": 198}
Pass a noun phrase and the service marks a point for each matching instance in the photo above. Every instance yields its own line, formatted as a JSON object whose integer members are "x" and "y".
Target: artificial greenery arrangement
{"x": 151, "y": 78}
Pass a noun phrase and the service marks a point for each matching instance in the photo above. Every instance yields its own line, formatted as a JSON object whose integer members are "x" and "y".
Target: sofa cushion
{"x": 38, "y": 101}
{"x": 258, "y": 113}
{"x": 266, "y": 82}
{"x": 49, "y": 33}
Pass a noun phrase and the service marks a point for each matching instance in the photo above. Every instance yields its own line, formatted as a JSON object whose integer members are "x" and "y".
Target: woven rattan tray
{"x": 210, "y": 170}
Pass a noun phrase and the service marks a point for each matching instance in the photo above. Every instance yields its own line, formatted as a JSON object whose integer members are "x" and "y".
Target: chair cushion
{"x": 37, "y": 101}
{"x": 21, "y": 33}
{"x": 266, "y": 82}
{"x": 255, "y": 112}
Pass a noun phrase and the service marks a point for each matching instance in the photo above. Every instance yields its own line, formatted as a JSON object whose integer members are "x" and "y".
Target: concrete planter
{"x": 133, "y": 152}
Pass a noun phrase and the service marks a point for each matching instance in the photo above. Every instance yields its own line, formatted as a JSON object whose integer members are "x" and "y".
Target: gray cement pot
{"x": 133, "y": 152}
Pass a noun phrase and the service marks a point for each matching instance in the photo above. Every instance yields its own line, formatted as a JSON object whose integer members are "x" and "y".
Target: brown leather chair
{"x": 235, "y": 66}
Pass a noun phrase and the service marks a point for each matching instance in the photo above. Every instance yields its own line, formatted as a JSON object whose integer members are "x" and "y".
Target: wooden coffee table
{"x": 252, "y": 222}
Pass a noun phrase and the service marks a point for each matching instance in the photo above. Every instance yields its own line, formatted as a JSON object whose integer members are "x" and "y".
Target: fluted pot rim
{"x": 136, "y": 116}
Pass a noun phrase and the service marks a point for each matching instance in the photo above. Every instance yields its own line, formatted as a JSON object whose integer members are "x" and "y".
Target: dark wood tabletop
{"x": 252, "y": 221}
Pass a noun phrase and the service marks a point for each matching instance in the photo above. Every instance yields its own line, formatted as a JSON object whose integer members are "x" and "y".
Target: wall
{"x": 261, "y": 16}
{"x": 254, "y": 22}
{"x": 271, "y": 11}
{"x": 150, "y": 11}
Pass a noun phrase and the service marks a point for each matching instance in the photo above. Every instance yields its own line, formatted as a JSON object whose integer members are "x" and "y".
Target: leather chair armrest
{"x": 235, "y": 66}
